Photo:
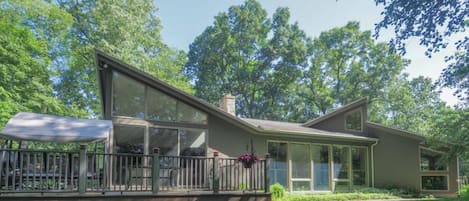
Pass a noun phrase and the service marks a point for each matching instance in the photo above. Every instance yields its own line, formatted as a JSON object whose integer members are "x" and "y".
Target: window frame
{"x": 145, "y": 108}
{"x": 433, "y": 172}
{"x": 361, "y": 120}
{"x": 332, "y": 180}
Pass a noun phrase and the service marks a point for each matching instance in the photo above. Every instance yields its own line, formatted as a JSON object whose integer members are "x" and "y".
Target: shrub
{"x": 277, "y": 191}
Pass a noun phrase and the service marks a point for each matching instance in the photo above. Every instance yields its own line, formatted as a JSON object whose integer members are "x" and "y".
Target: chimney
{"x": 227, "y": 104}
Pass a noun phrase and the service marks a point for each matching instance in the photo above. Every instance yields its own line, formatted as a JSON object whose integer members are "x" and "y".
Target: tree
{"x": 25, "y": 83}
{"x": 236, "y": 55}
{"x": 129, "y": 31}
{"x": 347, "y": 64}
{"x": 409, "y": 105}
{"x": 433, "y": 22}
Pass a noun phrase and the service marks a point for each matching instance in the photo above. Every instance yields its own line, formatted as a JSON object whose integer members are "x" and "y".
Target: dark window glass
{"x": 341, "y": 162}
{"x": 432, "y": 161}
{"x": 165, "y": 139}
{"x": 192, "y": 142}
{"x": 320, "y": 156}
{"x": 186, "y": 113}
{"x": 278, "y": 166}
{"x": 353, "y": 121}
{"x": 359, "y": 166}
{"x": 434, "y": 182}
{"x": 160, "y": 106}
{"x": 128, "y": 96}
{"x": 129, "y": 139}
{"x": 300, "y": 161}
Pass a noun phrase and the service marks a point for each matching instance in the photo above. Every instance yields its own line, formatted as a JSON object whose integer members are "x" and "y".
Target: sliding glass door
{"x": 321, "y": 176}
{"x": 278, "y": 165}
{"x": 300, "y": 162}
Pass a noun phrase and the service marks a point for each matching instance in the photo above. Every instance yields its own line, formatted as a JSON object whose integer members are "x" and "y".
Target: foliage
{"x": 248, "y": 158}
{"x": 25, "y": 83}
{"x": 68, "y": 31}
{"x": 129, "y": 31}
{"x": 364, "y": 194}
{"x": 451, "y": 126}
{"x": 347, "y": 64}
{"x": 462, "y": 197}
{"x": 433, "y": 22}
{"x": 277, "y": 191}
{"x": 255, "y": 58}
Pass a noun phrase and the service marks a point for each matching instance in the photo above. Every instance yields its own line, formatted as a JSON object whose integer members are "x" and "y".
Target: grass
{"x": 369, "y": 194}
{"x": 463, "y": 197}
{"x": 362, "y": 194}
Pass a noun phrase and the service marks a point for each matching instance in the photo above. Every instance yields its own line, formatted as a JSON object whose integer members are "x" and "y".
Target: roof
{"x": 287, "y": 127}
{"x": 344, "y": 108}
{"x": 250, "y": 125}
{"x": 396, "y": 131}
{"x": 42, "y": 127}
{"x": 158, "y": 84}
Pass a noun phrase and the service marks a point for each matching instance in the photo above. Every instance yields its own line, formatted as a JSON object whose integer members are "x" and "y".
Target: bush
{"x": 277, "y": 191}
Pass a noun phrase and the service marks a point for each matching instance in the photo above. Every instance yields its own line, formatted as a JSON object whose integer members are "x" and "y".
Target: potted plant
{"x": 248, "y": 159}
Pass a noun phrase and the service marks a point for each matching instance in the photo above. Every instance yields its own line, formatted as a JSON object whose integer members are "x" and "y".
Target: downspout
{"x": 373, "y": 164}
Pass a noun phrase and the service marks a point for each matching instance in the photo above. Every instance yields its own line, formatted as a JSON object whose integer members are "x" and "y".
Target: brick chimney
{"x": 227, "y": 104}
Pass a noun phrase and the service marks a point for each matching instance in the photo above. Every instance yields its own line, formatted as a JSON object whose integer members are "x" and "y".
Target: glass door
{"x": 300, "y": 163}
{"x": 320, "y": 158}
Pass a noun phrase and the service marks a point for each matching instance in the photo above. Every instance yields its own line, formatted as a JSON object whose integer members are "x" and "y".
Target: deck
{"x": 41, "y": 175}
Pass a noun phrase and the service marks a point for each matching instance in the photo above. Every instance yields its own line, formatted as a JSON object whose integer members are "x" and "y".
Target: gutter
{"x": 373, "y": 164}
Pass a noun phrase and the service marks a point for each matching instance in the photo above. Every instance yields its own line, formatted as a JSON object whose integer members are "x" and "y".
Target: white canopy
{"x": 40, "y": 127}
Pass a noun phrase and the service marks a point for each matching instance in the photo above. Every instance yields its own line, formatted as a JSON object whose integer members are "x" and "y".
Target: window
{"x": 129, "y": 139}
{"x": 353, "y": 121}
{"x": 128, "y": 96}
{"x": 300, "y": 162}
{"x": 278, "y": 165}
{"x": 186, "y": 113}
{"x": 165, "y": 139}
{"x": 320, "y": 157}
{"x": 434, "y": 182}
{"x": 432, "y": 161}
{"x": 341, "y": 162}
{"x": 434, "y": 170}
{"x": 133, "y": 99}
{"x": 160, "y": 106}
{"x": 359, "y": 166}
{"x": 192, "y": 142}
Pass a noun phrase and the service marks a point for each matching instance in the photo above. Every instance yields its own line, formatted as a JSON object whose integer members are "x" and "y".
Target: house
{"x": 339, "y": 151}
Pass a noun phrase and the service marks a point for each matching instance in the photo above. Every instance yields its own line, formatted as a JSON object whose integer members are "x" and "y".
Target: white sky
{"x": 184, "y": 20}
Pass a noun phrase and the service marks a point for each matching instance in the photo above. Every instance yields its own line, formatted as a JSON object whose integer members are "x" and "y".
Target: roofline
{"x": 397, "y": 131}
{"x": 320, "y": 136}
{"x": 192, "y": 100}
{"x": 335, "y": 112}
{"x": 173, "y": 91}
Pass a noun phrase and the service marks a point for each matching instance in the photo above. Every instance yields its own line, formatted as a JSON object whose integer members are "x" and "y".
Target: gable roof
{"x": 103, "y": 58}
{"x": 286, "y": 127}
{"x": 344, "y": 108}
{"x": 396, "y": 131}
{"x": 250, "y": 125}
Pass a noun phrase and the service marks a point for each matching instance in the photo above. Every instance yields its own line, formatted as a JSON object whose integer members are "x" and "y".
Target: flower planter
{"x": 248, "y": 164}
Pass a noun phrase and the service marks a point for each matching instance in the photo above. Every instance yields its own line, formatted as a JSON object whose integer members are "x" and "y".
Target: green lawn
{"x": 369, "y": 194}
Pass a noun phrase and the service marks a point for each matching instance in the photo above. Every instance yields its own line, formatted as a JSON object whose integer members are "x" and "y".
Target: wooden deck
{"x": 45, "y": 175}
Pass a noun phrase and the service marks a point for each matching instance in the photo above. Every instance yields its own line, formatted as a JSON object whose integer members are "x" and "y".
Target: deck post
{"x": 266, "y": 173}
{"x": 83, "y": 170}
{"x": 155, "y": 171}
{"x": 215, "y": 173}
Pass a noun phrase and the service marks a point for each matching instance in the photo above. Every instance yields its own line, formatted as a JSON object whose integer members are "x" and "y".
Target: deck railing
{"x": 23, "y": 171}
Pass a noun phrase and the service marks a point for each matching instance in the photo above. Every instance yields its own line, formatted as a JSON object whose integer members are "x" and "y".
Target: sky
{"x": 183, "y": 20}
